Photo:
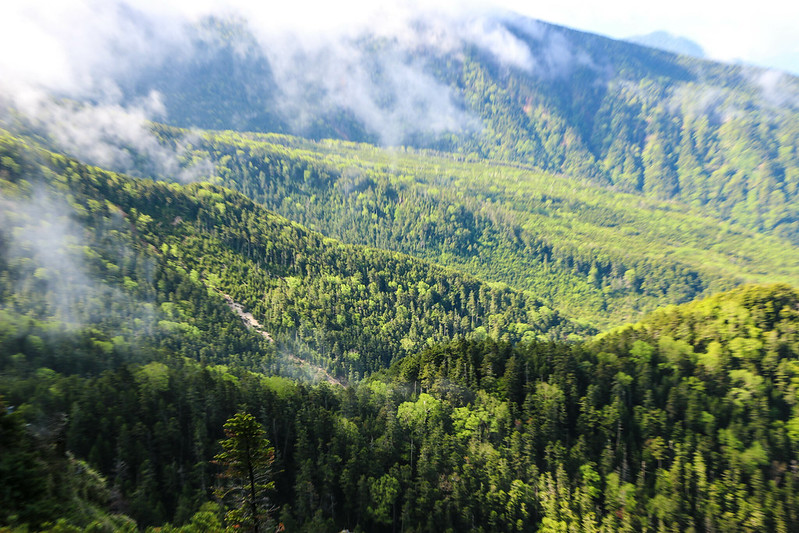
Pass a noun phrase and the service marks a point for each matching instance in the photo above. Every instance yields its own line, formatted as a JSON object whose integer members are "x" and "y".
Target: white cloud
{"x": 44, "y": 233}
{"x": 494, "y": 37}
{"x": 33, "y": 32}
{"x": 111, "y": 136}
{"x": 76, "y": 46}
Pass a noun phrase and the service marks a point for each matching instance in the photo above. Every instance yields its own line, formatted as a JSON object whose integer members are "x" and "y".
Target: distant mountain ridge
{"x": 664, "y": 40}
{"x": 717, "y": 136}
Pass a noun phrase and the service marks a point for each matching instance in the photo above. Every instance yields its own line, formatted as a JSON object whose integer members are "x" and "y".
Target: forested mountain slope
{"x": 348, "y": 308}
{"x": 597, "y": 255}
{"x": 640, "y": 120}
{"x": 449, "y": 276}
{"x": 683, "y": 421}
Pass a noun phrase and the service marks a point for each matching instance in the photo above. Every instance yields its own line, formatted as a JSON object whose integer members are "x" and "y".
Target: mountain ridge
{"x": 664, "y": 40}
{"x": 717, "y": 137}
{"x": 409, "y": 323}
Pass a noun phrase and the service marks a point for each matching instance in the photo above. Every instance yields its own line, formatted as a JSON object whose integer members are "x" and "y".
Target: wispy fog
{"x": 55, "y": 270}
{"x": 108, "y": 135}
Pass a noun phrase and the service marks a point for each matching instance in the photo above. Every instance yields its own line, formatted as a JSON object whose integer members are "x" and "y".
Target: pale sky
{"x": 764, "y": 33}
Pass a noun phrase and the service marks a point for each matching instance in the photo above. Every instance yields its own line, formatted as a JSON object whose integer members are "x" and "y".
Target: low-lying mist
{"x": 374, "y": 75}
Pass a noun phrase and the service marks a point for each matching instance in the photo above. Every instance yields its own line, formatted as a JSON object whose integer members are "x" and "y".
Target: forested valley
{"x": 553, "y": 294}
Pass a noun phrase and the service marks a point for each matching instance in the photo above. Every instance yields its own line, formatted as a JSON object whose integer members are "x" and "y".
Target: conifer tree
{"x": 246, "y": 480}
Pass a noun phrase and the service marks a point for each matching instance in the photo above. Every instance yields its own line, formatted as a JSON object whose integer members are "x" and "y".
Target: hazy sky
{"x": 764, "y": 33}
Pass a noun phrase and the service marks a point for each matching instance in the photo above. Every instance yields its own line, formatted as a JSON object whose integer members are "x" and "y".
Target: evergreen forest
{"x": 573, "y": 307}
